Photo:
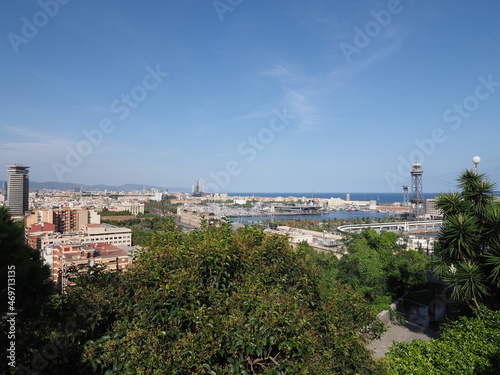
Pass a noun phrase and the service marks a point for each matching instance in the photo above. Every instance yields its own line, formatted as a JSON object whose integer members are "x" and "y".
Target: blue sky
{"x": 262, "y": 96}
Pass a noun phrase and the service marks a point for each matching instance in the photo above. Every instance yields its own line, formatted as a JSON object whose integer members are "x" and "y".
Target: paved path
{"x": 397, "y": 332}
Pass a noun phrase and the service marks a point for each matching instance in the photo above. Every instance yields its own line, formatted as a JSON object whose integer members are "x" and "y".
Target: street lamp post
{"x": 476, "y": 160}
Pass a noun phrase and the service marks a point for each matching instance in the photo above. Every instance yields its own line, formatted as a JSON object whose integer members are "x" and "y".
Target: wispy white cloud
{"x": 132, "y": 153}
{"x": 98, "y": 109}
{"x": 345, "y": 71}
{"x": 24, "y": 132}
{"x": 297, "y": 92}
{"x": 277, "y": 70}
{"x": 32, "y": 153}
{"x": 257, "y": 113}
{"x": 300, "y": 104}
{"x": 287, "y": 73}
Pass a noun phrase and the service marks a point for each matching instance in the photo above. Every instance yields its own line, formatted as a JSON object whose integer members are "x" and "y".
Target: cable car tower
{"x": 406, "y": 197}
{"x": 417, "y": 197}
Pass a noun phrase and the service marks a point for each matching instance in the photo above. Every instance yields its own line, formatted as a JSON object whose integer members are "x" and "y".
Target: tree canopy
{"x": 218, "y": 301}
{"x": 30, "y": 273}
{"x": 213, "y": 301}
{"x": 381, "y": 269}
{"x": 24, "y": 283}
{"x": 469, "y": 242}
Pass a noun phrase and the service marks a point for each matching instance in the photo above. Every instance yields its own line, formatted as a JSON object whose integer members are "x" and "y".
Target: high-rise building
{"x": 201, "y": 185}
{"x": 199, "y": 188}
{"x": 18, "y": 189}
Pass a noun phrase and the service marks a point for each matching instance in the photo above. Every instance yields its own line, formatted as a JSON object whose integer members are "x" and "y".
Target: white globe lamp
{"x": 476, "y": 160}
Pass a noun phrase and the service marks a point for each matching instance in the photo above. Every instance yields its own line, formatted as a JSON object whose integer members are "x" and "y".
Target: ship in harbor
{"x": 297, "y": 209}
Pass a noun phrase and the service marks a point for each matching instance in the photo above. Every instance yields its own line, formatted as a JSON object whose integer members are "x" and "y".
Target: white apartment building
{"x": 431, "y": 211}
{"x": 135, "y": 208}
{"x": 93, "y": 233}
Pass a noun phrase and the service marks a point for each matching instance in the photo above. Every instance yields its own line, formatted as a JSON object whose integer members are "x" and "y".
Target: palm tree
{"x": 469, "y": 243}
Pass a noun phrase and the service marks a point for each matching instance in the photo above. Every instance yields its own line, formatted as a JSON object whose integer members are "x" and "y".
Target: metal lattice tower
{"x": 417, "y": 197}
{"x": 406, "y": 199}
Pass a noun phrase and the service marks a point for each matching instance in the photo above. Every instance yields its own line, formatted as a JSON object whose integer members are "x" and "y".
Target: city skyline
{"x": 251, "y": 96}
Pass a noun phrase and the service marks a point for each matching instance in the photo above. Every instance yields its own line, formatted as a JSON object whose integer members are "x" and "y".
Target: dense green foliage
{"x": 218, "y": 301}
{"x": 469, "y": 243}
{"x": 142, "y": 228}
{"x": 467, "y": 346}
{"x": 29, "y": 273}
{"x": 115, "y": 213}
{"x": 468, "y": 261}
{"x": 213, "y": 301}
{"x": 325, "y": 262}
{"x": 52, "y": 340}
{"x": 163, "y": 207}
{"x": 381, "y": 269}
{"x": 24, "y": 284}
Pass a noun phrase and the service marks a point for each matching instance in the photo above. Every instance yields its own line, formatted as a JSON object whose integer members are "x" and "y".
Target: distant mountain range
{"x": 68, "y": 186}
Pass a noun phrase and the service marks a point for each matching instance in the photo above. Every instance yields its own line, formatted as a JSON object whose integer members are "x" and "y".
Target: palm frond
{"x": 466, "y": 281}
{"x": 492, "y": 221}
{"x": 476, "y": 190}
{"x": 451, "y": 203}
{"x": 492, "y": 259}
{"x": 459, "y": 238}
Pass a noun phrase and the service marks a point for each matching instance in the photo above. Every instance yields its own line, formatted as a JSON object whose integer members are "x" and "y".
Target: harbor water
{"x": 249, "y": 220}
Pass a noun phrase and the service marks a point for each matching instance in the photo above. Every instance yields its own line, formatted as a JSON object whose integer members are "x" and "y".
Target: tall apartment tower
{"x": 417, "y": 196}
{"x": 18, "y": 187}
{"x": 199, "y": 188}
{"x": 201, "y": 185}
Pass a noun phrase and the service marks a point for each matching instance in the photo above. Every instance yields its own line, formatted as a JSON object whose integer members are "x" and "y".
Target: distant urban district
{"x": 155, "y": 281}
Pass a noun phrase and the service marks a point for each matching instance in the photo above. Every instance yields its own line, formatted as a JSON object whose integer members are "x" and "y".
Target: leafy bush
{"x": 115, "y": 213}
{"x": 217, "y": 301}
{"x": 381, "y": 269}
{"x": 467, "y": 346}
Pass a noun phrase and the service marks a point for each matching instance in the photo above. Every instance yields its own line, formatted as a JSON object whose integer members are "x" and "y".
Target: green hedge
{"x": 467, "y": 346}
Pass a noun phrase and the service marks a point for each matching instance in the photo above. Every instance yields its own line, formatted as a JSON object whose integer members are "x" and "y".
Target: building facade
{"x": 431, "y": 210}
{"x": 194, "y": 217}
{"x": 135, "y": 208}
{"x": 66, "y": 220}
{"x": 109, "y": 234}
{"x": 36, "y": 232}
{"x": 92, "y": 233}
{"x": 18, "y": 189}
{"x": 65, "y": 260}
